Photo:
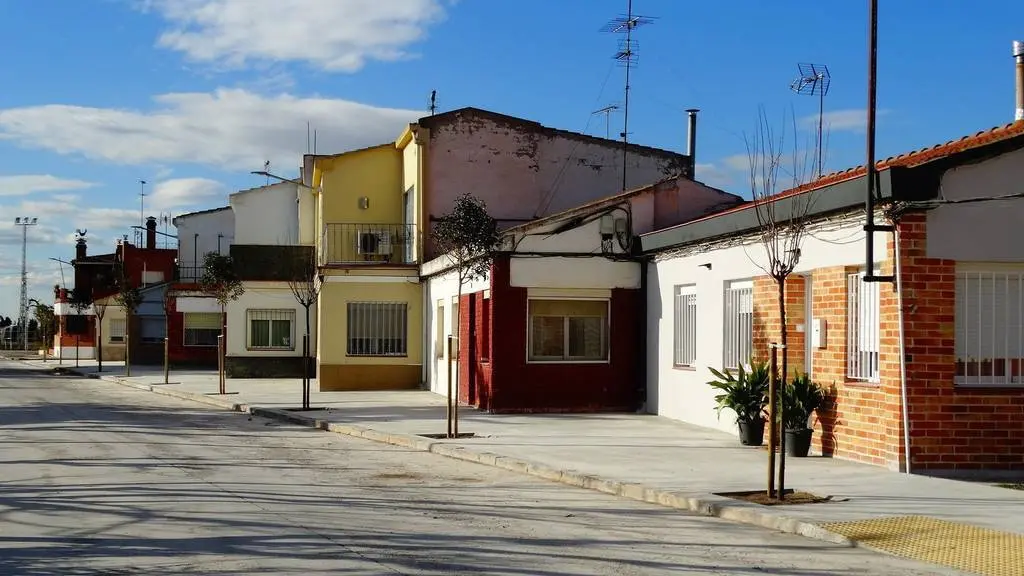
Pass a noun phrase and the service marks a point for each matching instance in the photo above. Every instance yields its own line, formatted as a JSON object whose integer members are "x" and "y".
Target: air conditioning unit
{"x": 373, "y": 243}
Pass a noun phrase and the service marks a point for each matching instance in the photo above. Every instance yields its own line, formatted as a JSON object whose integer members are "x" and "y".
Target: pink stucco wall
{"x": 523, "y": 170}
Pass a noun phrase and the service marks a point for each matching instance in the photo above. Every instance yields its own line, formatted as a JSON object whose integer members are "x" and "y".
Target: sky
{"x": 192, "y": 95}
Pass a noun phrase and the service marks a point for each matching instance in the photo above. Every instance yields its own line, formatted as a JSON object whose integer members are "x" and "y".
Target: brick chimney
{"x": 80, "y": 249}
{"x": 150, "y": 233}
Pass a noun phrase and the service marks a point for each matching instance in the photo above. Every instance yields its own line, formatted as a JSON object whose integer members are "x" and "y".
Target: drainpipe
{"x": 904, "y": 407}
{"x": 644, "y": 328}
{"x": 428, "y": 360}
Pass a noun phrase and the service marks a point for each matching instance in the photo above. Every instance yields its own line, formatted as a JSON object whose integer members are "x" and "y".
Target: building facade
{"x": 924, "y": 367}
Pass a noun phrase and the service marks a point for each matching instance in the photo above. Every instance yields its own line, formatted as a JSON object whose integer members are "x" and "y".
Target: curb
{"x": 704, "y": 505}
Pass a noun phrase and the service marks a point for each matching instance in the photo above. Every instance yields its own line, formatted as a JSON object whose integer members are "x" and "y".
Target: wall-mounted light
{"x": 706, "y": 265}
{"x": 364, "y": 202}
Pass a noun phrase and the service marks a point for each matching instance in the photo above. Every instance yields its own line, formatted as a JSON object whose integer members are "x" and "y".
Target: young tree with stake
{"x": 782, "y": 225}
{"x": 305, "y": 283}
{"x": 469, "y": 236}
{"x": 221, "y": 281}
{"x": 128, "y": 297}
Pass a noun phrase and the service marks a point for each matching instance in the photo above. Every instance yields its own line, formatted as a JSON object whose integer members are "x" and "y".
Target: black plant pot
{"x": 798, "y": 442}
{"x": 752, "y": 433}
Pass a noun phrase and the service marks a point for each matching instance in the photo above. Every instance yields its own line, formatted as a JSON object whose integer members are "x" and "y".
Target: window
{"x": 485, "y": 327}
{"x": 152, "y": 329}
{"x": 568, "y": 330}
{"x": 862, "y": 328}
{"x": 117, "y": 329}
{"x": 439, "y": 330}
{"x": 271, "y": 329}
{"x": 739, "y": 324}
{"x": 989, "y": 338}
{"x": 685, "y": 340}
{"x": 378, "y": 328}
{"x": 202, "y": 328}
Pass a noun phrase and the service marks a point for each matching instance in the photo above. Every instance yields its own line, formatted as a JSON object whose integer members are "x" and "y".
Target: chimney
{"x": 691, "y": 139}
{"x": 80, "y": 249}
{"x": 1018, "y": 54}
{"x": 150, "y": 233}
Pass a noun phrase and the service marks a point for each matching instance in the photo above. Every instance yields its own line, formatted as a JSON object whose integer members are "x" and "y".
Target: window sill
{"x": 268, "y": 349}
{"x": 684, "y": 367}
{"x": 987, "y": 386}
{"x": 866, "y": 384}
{"x": 568, "y": 362}
{"x": 199, "y": 345}
{"x": 376, "y": 355}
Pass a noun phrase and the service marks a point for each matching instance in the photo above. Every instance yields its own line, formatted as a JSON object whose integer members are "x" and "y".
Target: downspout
{"x": 644, "y": 328}
{"x": 904, "y": 407}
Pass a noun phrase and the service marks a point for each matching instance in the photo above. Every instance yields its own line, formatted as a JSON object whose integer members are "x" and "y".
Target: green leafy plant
{"x": 745, "y": 392}
{"x": 801, "y": 397}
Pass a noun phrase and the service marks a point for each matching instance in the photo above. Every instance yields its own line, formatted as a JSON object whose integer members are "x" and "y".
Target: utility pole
{"x": 24, "y": 222}
{"x": 627, "y": 56}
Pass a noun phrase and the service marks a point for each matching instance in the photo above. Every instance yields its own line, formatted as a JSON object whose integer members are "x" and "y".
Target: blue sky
{"x": 190, "y": 95}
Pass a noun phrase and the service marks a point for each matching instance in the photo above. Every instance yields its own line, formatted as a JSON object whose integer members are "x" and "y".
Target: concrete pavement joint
{"x": 698, "y": 505}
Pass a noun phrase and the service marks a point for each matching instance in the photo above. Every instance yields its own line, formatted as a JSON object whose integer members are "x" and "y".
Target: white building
{"x": 200, "y": 233}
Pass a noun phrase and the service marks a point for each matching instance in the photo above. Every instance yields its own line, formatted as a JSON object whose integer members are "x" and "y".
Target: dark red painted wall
{"x": 177, "y": 351}
{"x": 507, "y": 383}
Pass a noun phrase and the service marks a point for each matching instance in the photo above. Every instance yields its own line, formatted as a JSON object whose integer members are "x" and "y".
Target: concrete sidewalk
{"x": 637, "y": 456}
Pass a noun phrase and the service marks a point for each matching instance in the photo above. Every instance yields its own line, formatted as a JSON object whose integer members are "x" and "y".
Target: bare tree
{"x": 128, "y": 297}
{"x": 782, "y": 225}
{"x": 305, "y": 283}
{"x": 469, "y": 236}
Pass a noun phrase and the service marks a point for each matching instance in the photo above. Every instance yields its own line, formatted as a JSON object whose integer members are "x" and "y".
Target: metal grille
{"x": 349, "y": 243}
{"x": 378, "y": 328}
{"x": 271, "y": 329}
{"x": 685, "y": 341}
{"x": 989, "y": 338}
{"x": 863, "y": 328}
{"x": 201, "y": 328}
{"x": 117, "y": 329}
{"x": 739, "y": 325}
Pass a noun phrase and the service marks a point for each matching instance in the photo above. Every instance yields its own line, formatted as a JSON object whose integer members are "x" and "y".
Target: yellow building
{"x": 368, "y": 240}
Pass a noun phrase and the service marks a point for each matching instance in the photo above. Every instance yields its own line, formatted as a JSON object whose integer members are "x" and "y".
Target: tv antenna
{"x": 627, "y": 55}
{"x": 266, "y": 169}
{"x": 814, "y": 80}
{"x": 433, "y": 102}
{"x": 607, "y": 111}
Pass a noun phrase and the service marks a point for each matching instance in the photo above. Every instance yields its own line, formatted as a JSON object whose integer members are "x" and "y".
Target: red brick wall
{"x": 767, "y": 321}
{"x": 475, "y": 371}
{"x": 508, "y": 383}
{"x": 951, "y": 428}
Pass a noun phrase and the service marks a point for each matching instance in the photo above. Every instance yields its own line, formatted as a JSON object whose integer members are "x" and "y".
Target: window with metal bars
{"x": 271, "y": 329}
{"x": 989, "y": 327}
{"x": 685, "y": 326}
{"x": 863, "y": 328}
{"x": 568, "y": 330}
{"x": 737, "y": 343}
{"x": 378, "y": 329}
{"x": 117, "y": 330}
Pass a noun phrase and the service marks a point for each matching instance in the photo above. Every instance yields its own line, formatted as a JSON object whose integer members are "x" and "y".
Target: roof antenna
{"x": 266, "y": 170}
{"x": 314, "y": 142}
{"x": 627, "y": 56}
{"x": 307, "y": 136}
{"x": 814, "y": 80}
{"x": 433, "y": 102}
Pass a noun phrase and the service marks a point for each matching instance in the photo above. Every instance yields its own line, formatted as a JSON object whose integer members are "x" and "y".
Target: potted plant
{"x": 745, "y": 392}
{"x": 800, "y": 398}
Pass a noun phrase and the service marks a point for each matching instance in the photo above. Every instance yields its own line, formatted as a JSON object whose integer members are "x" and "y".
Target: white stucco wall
{"x": 684, "y": 394}
{"x": 192, "y": 249}
{"x": 268, "y": 215}
{"x": 445, "y": 288}
{"x": 267, "y": 296}
{"x": 980, "y": 231}
{"x": 513, "y": 167}
{"x": 307, "y": 216}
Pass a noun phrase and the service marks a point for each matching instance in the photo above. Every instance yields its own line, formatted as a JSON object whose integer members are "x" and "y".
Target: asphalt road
{"x": 96, "y": 478}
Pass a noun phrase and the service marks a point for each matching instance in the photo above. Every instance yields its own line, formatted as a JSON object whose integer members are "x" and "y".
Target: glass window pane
{"x": 259, "y": 334}
{"x": 548, "y": 337}
{"x": 586, "y": 338}
{"x": 281, "y": 332}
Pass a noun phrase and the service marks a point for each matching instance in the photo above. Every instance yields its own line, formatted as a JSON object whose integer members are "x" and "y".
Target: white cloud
{"x": 713, "y": 175}
{"x": 840, "y": 120}
{"x": 180, "y": 192}
{"x": 233, "y": 129}
{"x": 25, "y": 184}
{"x": 335, "y": 35}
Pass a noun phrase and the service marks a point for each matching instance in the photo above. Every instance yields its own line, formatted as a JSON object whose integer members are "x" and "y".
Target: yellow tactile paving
{"x": 960, "y": 546}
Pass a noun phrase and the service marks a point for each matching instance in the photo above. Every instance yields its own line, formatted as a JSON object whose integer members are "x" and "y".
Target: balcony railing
{"x": 347, "y": 243}
{"x": 188, "y": 272}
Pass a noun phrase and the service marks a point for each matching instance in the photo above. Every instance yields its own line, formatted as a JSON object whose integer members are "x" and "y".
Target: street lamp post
{"x": 24, "y": 222}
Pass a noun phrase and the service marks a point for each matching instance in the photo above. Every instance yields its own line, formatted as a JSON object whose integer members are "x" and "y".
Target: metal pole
{"x": 78, "y": 342}
{"x": 821, "y": 117}
{"x": 449, "y": 410}
{"x": 455, "y": 397}
{"x": 870, "y": 171}
{"x": 220, "y": 363}
{"x": 167, "y": 359}
{"x": 772, "y": 407}
{"x": 305, "y": 372}
{"x": 781, "y": 403}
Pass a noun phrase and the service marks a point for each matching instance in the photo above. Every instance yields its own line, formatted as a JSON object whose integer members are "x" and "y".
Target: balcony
{"x": 188, "y": 272}
{"x": 367, "y": 244}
